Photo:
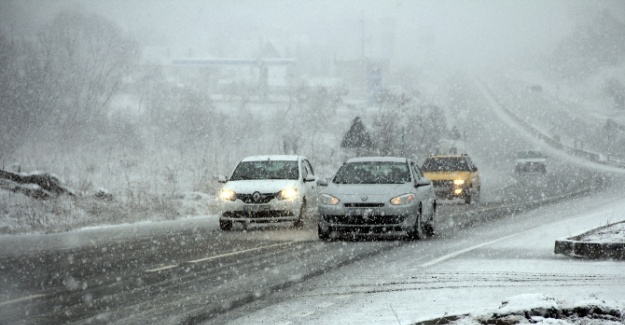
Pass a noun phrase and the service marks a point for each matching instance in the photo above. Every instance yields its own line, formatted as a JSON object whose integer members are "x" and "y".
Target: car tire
{"x": 468, "y": 197}
{"x": 225, "y": 225}
{"x": 323, "y": 235}
{"x": 299, "y": 223}
{"x": 477, "y": 196}
{"x": 428, "y": 227}
{"x": 416, "y": 232}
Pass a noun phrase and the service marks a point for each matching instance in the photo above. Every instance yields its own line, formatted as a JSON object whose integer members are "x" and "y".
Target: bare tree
{"x": 83, "y": 58}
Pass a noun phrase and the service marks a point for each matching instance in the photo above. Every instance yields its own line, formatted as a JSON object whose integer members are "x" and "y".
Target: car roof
{"x": 363, "y": 159}
{"x": 273, "y": 157}
{"x": 448, "y": 156}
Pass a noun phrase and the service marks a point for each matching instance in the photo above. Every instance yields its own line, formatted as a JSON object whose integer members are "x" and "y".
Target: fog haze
{"x": 474, "y": 32}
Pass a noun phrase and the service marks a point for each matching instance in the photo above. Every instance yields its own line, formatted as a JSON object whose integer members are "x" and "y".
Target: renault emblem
{"x": 364, "y": 198}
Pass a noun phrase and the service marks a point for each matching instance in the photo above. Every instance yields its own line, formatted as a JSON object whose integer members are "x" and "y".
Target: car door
{"x": 312, "y": 189}
{"x": 475, "y": 175}
{"x": 425, "y": 192}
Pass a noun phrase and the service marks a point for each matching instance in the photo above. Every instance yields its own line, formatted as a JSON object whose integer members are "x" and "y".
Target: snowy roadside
{"x": 16, "y": 245}
{"x": 30, "y": 225}
{"x": 535, "y": 308}
{"x": 612, "y": 233}
{"x": 23, "y": 214}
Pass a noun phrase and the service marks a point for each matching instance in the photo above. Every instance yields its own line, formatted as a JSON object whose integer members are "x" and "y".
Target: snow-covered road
{"x": 474, "y": 270}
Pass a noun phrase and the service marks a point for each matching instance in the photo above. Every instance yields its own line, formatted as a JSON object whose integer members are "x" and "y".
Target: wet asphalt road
{"x": 201, "y": 274}
{"x": 196, "y": 275}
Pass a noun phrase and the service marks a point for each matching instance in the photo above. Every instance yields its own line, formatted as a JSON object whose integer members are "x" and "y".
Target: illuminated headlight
{"x": 328, "y": 199}
{"x": 228, "y": 195}
{"x": 459, "y": 182}
{"x": 403, "y": 199}
{"x": 288, "y": 194}
{"x": 458, "y": 191}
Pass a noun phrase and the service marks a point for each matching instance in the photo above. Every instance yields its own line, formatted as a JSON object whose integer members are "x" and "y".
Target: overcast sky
{"x": 401, "y": 30}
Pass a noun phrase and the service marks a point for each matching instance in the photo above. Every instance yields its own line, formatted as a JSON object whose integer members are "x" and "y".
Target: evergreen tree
{"x": 357, "y": 137}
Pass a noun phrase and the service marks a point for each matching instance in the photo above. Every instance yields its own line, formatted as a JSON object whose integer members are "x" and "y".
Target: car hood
{"x": 262, "y": 185}
{"x": 442, "y": 176}
{"x": 368, "y": 189}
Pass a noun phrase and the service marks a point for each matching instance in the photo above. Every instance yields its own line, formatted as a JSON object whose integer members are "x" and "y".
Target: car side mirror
{"x": 322, "y": 182}
{"x": 423, "y": 182}
{"x": 310, "y": 178}
{"x": 222, "y": 179}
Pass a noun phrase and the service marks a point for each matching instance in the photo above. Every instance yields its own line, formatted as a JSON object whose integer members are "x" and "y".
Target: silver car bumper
{"x": 386, "y": 218}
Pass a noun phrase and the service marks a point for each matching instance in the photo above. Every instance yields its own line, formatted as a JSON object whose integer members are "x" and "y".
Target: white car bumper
{"x": 273, "y": 211}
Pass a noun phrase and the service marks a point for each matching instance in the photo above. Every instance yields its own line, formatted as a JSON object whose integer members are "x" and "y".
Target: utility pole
{"x": 363, "y": 64}
{"x": 362, "y": 37}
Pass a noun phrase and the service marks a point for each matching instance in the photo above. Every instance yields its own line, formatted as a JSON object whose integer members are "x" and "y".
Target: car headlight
{"x": 228, "y": 195}
{"x": 403, "y": 199}
{"x": 287, "y": 194}
{"x": 328, "y": 199}
{"x": 458, "y": 181}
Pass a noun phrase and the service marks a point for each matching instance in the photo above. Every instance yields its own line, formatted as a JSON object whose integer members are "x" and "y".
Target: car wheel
{"x": 225, "y": 225}
{"x": 477, "y": 196}
{"x": 416, "y": 232}
{"x": 323, "y": 235}
{"x": 428, "y": 228}
{"x": 468, "y": 197}
{"x": 299, "y": 223}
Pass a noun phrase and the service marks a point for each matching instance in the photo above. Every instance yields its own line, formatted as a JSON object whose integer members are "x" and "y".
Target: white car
{"x": 530, "y": 162}
{"x": 264, "y": 189}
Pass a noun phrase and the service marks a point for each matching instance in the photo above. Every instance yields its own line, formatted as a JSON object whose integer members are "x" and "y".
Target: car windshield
{"x": 447, "y": 164}
{"x": 528, "y": 154}
{"x": 267, "y": 169}
{"x": 373, "y": 172}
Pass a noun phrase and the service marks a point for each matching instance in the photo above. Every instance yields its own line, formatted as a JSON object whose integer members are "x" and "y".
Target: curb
{"x": 442, "y": 320}
{"x": 573, "y": 246}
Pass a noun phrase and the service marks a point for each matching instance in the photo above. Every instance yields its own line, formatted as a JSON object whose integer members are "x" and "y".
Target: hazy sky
{"x": 401, "y": 30}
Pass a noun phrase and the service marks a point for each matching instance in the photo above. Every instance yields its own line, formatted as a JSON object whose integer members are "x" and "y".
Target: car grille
{"x": 358, "y": 220}
{"x": 259, "y": 214}
{"x": 364, "y": 205}
{"x": 531, "y": 167}
{"x": 264, "y": 198}
{"x": 442, "y": 183}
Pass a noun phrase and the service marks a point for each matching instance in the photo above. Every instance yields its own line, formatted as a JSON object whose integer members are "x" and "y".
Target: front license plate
{"x": 256, "y": 208}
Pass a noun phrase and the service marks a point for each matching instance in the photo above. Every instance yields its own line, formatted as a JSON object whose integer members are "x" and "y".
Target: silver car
{"x": 378, "y": 195}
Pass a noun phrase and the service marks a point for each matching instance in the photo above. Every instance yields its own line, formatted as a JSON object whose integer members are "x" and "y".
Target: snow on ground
{"x": 480, "y": 269}
{"x": 613, "y": 233}
{"x": 22, "y": 214}
{"x": 535, "y": 308}
{"x": 100, "y": 235}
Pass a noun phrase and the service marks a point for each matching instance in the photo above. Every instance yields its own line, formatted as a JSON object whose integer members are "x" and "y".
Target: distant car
{"x": 378, "y": 195}
{"x": 530, "y": 162}
{"x": 263, "y": 189}
{"x": 453, "y": 176}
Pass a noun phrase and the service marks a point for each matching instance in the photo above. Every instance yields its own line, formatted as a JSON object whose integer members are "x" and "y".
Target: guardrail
{"x": 500, "y": 209}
